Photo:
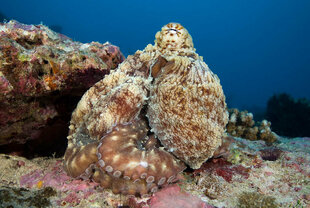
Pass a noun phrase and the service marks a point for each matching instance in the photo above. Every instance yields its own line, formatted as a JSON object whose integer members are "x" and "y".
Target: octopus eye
{"x": 173, "y": 37}
{"x": 173, "y": 30}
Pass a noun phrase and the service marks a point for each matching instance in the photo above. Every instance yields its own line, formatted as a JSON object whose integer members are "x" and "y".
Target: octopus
{"x": 139, "y": 127}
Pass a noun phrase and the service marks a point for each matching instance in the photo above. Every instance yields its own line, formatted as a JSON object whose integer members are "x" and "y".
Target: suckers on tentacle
{"x": 121, "y": 161}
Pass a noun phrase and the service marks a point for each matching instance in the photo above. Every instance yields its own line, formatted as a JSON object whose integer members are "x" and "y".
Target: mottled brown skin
{"x": 187, "y": 110}
{"x": 109, "y": 141}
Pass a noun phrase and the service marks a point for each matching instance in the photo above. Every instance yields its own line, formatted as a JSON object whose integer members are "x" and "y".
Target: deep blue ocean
{"x": 257, "y": 48}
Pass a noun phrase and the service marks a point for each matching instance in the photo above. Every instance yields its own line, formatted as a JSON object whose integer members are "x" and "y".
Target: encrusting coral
{"x": 166, "y": 84}
{"x": 241, "y": 124}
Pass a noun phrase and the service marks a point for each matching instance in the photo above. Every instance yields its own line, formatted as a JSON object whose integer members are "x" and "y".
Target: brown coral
{"x": 242, "y": 124}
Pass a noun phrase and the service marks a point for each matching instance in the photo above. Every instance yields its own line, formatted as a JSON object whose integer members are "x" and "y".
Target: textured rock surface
{"x": 42, "y": 76}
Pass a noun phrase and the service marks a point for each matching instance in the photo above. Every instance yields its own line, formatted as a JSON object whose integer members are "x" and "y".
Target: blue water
{"x": 257, "y": 48}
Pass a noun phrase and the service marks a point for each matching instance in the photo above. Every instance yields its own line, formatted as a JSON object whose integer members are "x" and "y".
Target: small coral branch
{"x": 241, "y": 124}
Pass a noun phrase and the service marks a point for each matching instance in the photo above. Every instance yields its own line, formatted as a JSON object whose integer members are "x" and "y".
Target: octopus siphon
{"x": 162, "y": 109}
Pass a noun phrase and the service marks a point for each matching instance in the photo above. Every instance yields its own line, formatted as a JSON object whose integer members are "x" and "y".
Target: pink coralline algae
{"x": 42, "y": 76}
{"x": 173, "y": 196}
{"x": 56, "y": 178}
{"x": 168, "y": 197}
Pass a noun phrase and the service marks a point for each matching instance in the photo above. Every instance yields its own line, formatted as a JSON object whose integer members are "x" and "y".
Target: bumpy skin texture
{"x": 167, "y": 84}
{"x": 188, "y": 113}
{"x": 186, "y": 109}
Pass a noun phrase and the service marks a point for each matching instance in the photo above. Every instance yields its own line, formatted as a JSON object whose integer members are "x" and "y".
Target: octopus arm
{"x": 101, "y": 109}
{"x": 120, "y": 156}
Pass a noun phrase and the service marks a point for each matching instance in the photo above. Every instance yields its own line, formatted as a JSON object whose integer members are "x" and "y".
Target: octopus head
{"x": 173, "y": 37}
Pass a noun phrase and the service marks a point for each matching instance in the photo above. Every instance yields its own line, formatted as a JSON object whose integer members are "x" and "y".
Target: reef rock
{"x": 42, "y": 76}
{"x": 218, "y": 182}
{"x": 169, "y": 86}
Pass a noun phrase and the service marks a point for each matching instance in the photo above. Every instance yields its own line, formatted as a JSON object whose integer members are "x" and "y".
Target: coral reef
{"x": 217, "y": 183}
{"x": 282, "y": 182}
{"x": 241, "y": 124}
{"x": 166, "y": 84}
{"x": 42, "y": 76}
{"x": 119, "y": 131}
{"x": 289, "y": 117}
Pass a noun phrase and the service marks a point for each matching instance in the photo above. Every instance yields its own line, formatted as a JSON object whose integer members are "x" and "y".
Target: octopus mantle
{"x": 162, "y": 107}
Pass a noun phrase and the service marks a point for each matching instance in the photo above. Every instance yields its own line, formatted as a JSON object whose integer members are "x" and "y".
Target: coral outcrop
{"x": 42, "y": 76}
{"x": 242, "y": 124}
{"x": 166, "y": 84}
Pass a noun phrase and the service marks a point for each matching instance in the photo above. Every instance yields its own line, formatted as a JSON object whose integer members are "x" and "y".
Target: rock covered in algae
{"x": 42, "y": 74}
{"x": 286, "y": 179}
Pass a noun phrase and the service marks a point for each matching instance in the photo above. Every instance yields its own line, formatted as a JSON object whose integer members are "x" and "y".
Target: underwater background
{"x": 257, "y": 48}
{"x": 58, "y": 150}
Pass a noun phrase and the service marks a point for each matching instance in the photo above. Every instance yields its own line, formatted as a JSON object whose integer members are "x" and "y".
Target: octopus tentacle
{"x": 79, "y": 158}
{"x": 120, "y": 156}
{"x": 125, "y": 160}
